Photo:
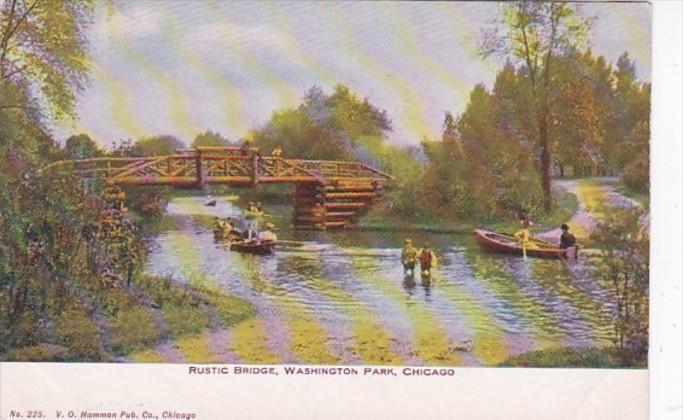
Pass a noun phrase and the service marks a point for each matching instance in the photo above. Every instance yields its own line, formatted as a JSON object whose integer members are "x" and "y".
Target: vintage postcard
{"x": 382, "y": 190}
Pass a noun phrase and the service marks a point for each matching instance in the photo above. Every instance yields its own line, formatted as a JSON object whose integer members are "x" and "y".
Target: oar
{"x": 295, "y": 243}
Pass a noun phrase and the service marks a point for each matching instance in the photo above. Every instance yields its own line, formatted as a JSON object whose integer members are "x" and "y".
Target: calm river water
{"x": 346, "y": 289}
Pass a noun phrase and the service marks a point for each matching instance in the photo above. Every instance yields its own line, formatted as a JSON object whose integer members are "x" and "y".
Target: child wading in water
{"x": 427, "y": 261}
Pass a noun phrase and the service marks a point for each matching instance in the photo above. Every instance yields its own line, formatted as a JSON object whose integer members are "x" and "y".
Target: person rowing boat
{"x": 225, "y": 229}
{"x": 262, "y": 244}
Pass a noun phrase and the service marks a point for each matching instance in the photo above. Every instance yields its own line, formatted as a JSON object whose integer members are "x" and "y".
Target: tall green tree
{"x": 210, "y": 138}
{"x": 324, "y": 126}
{"x": 43, "y": 49}
{"x": 534, "y": 34}
{"x": 81, "y": 146}
{"x": 156, "y": 146}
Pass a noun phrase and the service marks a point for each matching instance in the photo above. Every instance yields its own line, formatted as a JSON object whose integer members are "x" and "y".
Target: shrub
{"x": 623, "y": 241}
{"x": 636, "y": 174}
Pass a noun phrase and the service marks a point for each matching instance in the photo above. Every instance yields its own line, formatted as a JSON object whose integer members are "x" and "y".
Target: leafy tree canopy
{"x": 43, "y": 49}
{"x": 81, "y": 146}
{"x": 148, "y": 146}
{"x": 324, "y": 126}
{"x": 210, "y": 138}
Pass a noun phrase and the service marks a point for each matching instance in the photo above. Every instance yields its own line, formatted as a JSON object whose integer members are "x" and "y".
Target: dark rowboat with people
{"x": 508, "y": 244}
{"x": 225, "y": 235}
{"x": 210, "y": 203}
{"x": 254, "y": 247}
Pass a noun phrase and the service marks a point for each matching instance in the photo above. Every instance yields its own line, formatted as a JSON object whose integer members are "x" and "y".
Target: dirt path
{"x": 592, "y": 194}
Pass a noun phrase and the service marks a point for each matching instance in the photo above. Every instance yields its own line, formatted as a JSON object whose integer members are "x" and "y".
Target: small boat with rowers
{"x": 263, "y": 244}
{"x": 256, "y": 247}
{"x": 508, "y": 244}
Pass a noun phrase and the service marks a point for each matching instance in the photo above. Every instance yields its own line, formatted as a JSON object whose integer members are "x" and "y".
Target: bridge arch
{"x": 328, "y": 194}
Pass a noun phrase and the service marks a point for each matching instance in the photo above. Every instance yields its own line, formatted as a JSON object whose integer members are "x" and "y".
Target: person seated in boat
{"x": 251, "y": 207}
{"x": 218, "y": 228}
{"x": 408, "y": 257}
{"x": 427, "y": 261}
{"x": 233, "y": 234}
{"x": 227, "y": 225}
{"x": 268, "y": 235}
{"x": 567, "y": 240}
{"x": 218, "y": 224}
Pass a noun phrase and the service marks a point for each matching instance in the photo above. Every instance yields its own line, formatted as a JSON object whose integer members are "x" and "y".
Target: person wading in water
{"x": 427, "y": 262}
{"x": 408, "y": 258}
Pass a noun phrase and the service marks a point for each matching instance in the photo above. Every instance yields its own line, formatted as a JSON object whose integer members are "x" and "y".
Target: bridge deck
{"x": 210, "y": 165}
{"x": 347, "y": 189}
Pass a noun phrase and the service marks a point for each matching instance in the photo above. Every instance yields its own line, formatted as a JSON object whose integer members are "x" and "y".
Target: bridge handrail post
{"x": 254, "y": 167}
{"x": 199, "y": 169}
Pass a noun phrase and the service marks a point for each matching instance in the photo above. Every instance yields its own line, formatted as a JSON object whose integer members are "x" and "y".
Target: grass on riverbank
{"x": 597, "y": 357}
{"x": 566, "y": 204}
{"x": 643, "y": 198}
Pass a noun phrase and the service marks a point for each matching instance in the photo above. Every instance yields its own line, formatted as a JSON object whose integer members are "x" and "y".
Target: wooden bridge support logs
{"x": 335, "y": 204}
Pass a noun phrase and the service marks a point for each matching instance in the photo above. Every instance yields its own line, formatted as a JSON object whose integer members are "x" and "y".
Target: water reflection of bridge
{"x": 329, "y": 194}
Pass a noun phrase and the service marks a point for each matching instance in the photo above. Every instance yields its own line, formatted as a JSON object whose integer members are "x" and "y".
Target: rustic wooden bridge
{"x": 329, "y": 194}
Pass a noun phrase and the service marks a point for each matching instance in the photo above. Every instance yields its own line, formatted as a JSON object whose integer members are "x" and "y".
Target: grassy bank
{"x": 643, "y": 198}
{"x": 600, "y": 357}
{"x": 381, "y": 219}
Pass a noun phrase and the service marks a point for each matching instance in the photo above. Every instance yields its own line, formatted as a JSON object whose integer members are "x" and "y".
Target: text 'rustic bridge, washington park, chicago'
{"x": 329, "y": 194}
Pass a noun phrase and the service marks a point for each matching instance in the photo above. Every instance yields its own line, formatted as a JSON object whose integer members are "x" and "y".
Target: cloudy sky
{"x": 182, "y": 67}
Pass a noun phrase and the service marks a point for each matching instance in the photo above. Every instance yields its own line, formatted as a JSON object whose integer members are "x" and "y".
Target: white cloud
{"x": 139, "y": 21}
{"x": 214, "y": 34}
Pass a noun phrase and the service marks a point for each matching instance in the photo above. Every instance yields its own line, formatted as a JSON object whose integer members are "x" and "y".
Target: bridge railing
{"x": 215, "y": 165}
{"x": 342, "y": 169}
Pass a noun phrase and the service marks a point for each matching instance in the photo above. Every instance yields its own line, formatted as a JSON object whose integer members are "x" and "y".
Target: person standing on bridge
{"x": 277, "y": 152}
{"x": 246, "y": 147}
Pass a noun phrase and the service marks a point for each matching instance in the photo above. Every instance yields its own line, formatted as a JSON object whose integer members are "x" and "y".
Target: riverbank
{"x": 381, "y": 219}
{"x": 596, "y": 357}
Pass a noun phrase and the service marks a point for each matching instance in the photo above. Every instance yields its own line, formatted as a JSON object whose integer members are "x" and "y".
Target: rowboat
{"x": 253, "y": 247}
{"x": 210, "y": 203}
{"x": 224, "y": 234}
{"x": 508, "y": 244}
